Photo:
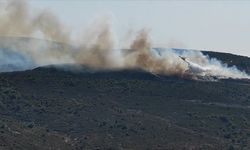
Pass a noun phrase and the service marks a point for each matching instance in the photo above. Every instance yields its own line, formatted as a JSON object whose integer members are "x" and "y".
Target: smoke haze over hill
{"x": 96, "y": 47}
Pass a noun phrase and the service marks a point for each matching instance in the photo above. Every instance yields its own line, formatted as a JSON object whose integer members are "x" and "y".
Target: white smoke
{"x": 209, "y": 66}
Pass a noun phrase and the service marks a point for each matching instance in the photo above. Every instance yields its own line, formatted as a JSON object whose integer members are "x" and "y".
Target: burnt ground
{"x": 47, "y": 108}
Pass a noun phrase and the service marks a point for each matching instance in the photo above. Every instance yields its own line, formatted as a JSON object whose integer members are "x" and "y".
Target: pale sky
{"x": 206, "y": 25}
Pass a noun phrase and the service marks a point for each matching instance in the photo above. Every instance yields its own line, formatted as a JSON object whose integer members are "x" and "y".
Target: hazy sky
{"x": 210, "y": 25}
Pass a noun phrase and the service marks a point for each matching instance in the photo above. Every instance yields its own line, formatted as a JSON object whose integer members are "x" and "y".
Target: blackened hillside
{"x": 47, "y": 108}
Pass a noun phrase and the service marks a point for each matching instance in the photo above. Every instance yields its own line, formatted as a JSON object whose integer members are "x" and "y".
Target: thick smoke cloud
{"x": 144, "y": 57}
{"x": 16, "y": 20}
{"x": 96, "y": 48}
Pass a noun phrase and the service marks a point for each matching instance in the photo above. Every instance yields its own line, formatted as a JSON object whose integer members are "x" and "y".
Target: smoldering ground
{"x": 95, "y": 48}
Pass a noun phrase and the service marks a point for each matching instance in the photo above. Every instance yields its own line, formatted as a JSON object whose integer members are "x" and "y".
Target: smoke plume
{"x": 96, "y": 48}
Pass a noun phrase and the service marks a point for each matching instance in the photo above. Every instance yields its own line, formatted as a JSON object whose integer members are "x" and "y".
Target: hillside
{"x": 79, "y": 108}
{"x": 47, "y": 108}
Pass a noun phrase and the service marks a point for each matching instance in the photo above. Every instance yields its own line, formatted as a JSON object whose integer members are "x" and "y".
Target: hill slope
{"x": 125, "y": 109}
{"x": 51, "y": 108}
